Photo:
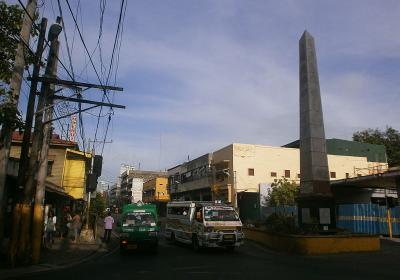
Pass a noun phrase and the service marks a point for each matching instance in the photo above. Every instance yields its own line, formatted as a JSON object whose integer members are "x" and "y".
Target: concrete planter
{"x": 314, "y": 245}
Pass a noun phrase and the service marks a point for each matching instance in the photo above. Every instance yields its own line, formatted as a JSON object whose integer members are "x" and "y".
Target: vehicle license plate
{"x": 229, "y": 236}
{"x": 132, "y": 246}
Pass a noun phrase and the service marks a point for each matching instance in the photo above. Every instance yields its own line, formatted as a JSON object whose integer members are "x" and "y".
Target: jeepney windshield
{"x": 218, "y": 214}
{"x": 139, "y": 219}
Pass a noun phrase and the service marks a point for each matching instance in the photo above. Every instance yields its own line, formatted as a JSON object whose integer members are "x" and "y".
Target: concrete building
{"x": 155, "y": 190}
{"x": 114, "y": 195}
{"x": 132, "y": 184}
{"x": 246, "y": 168}
{"x": 191, "y": 180}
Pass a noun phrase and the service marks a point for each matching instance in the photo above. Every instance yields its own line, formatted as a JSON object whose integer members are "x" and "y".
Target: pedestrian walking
{"x": 50, "y": 229}
{"x": 76, "y": 226}
{"x": 108, "y": 225}
{"x": 66, "y": 224}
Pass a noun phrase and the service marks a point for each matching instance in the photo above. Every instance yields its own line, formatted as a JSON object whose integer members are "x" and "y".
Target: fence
{"x": 283, "y": 210}
{"x": 368, "y": 218}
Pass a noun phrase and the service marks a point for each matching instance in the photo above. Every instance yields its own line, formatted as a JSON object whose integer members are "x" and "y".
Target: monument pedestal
{"x": 317, "y": 211}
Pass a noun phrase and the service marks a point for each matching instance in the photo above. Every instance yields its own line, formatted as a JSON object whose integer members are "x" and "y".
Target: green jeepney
{"x": 138, "y": 227}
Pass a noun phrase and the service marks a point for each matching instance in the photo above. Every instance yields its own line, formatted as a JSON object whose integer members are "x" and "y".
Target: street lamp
{"x": 55, "y": 30}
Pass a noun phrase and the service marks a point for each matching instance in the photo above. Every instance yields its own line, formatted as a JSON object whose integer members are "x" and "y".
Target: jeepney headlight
{"x": 208, "y": 229}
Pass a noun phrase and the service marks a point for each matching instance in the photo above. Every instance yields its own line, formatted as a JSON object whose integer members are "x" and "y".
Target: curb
{"x": 39, "y": 268}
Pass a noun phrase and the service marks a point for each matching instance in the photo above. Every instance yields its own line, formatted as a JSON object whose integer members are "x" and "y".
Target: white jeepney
{"x": 204, "y": 224}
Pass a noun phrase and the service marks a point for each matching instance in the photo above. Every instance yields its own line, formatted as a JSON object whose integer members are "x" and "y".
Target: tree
{"x": 16, "y": 28}
{"x": 282, "y": 193}
{"x": 389, "y": 138}
{"x": 97, "y": 208}
{"x": 10, "y": 26}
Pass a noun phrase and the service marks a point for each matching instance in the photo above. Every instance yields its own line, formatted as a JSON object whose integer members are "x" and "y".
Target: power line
{"x": 84, "y": 44}
{"x": 91, "y": 61}
{"x": 81, "y": 126}
{"x": 117, "y": 34}
{"x": 66, "y": 40}
{"x": 47, "y": 42}
{"x": 103, "y": 4}
{"x": 105, "y": 135}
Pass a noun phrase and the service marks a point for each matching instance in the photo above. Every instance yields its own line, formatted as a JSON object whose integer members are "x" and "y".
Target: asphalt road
{"x": 251, "y": 261}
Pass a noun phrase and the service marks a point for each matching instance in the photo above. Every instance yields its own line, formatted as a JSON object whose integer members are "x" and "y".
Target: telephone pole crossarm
{"x": 79, "y": 100}
{"x": 70, "y": 114}
{"x": 66, "y": 83}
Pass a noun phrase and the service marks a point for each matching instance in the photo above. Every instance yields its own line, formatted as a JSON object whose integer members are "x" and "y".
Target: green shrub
{"x": 281, "y": 224}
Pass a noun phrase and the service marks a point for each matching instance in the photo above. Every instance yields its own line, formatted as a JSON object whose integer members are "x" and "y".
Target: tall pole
{"x": 22, "y": 211}
{"x": 235, "y": 198}
{"x": 87, "y": 234}
{"x": 15, "y": 85}
{"x": 23, "y": 161}
{"x": 47, "y": 91}
{"x": 89, "y": 193}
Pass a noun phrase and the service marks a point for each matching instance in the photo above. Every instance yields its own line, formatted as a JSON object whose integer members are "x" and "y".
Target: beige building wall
{"x": 265, "y": 160}
{"x": 156, "y": 190}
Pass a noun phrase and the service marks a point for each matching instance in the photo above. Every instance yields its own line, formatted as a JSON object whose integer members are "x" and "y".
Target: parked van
{"x": 138, "y": 227}
{"x": 204, "y": 224}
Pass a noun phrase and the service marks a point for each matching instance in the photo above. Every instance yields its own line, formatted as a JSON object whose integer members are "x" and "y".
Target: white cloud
{"x": 227, "y": 71}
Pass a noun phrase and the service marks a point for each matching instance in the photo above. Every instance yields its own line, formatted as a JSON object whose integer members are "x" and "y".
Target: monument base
{"x": 314, "y": 244}
{"x": 317, "y": 212}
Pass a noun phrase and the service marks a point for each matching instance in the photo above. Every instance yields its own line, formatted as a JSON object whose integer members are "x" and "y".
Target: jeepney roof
{"x": 145, "y": 207}
{"x": 196, "y": 203}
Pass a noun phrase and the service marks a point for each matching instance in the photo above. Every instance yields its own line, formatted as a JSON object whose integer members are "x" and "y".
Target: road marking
{"x": 192, "y": 267}
{"x": 109, "y": 253}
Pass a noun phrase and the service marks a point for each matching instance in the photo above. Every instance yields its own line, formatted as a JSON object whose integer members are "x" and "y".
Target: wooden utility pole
{"x": 47, "y": 91}
{"x": 22, "y": 211}
{"x": 15, "y": 85}
{"x": 23, "y": 161}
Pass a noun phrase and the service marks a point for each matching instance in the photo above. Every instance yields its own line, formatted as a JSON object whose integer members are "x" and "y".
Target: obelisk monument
{"x": 315, "y": 203}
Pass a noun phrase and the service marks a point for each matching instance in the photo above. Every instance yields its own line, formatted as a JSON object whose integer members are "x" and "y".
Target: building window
{"x": 251, "y": 171}
{"x": 298, "y": 175}
{"x": 273, "y": 174}
{"x": 49, "y": 168}
{"x": 287, "y": 173}
{"x": 333, "y": 174}
{"x": 347, "y": 175}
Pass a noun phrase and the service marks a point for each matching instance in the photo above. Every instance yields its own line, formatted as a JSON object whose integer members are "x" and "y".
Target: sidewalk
{"x": 64, "y": 253}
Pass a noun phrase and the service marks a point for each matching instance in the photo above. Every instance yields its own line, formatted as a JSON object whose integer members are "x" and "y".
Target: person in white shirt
{"x": 108, "y": 225}
{"x": 50, "y": 229}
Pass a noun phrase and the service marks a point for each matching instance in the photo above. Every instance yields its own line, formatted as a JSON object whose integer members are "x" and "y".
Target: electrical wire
{"x": 121, "y": 14}
{"x": 66, "y": 40}
{"x": 47, "y": 42}
{"x": 84, "y": 44}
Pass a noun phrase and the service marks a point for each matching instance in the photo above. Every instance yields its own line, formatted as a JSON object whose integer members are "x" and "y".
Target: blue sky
{"x": 199, "y": 75}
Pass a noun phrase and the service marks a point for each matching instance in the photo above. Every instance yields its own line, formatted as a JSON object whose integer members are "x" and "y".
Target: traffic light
{"x": 91, "y": 182}
{"x": 97, "y": 165}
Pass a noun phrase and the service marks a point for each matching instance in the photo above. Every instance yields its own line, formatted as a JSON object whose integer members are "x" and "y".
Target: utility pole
{"x": 48, "y": 92}
{"x": 15, "y": 85}
{"x": 23, "y": 161}
{"x": 22, "y": 211}
{"x": 87, "y": 234}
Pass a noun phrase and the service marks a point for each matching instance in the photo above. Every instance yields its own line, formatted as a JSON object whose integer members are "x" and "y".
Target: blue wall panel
{"x": 368, "y": 218}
